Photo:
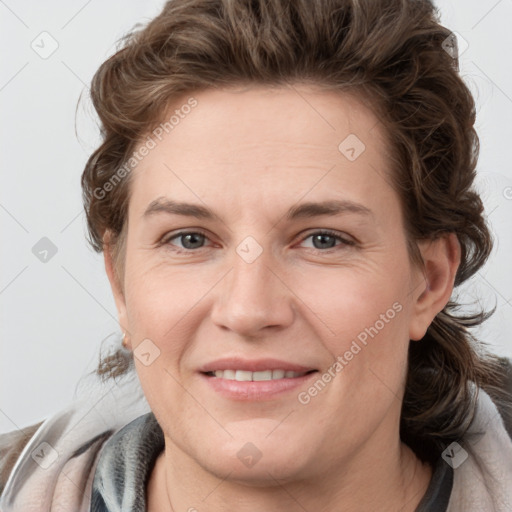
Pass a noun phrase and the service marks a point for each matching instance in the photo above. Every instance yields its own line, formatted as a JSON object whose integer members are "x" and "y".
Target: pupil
{"x": 191, "y": 237}
{"x": 321, "y": 239}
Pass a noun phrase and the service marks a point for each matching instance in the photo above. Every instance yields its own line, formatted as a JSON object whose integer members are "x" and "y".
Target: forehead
{"x": 238, "y": 142}
{"x": 288, "y": 114}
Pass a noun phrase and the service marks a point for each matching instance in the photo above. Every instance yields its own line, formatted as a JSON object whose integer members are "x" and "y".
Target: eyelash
{"x": 165, "y": 241}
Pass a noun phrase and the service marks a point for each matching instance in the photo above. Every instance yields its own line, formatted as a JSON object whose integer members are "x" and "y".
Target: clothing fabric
{"x": 97, "y": 456}
{"x": 145, "y": 439}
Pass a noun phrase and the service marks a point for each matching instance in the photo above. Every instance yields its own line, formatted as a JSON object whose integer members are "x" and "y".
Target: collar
{"x": 125, "y": 465}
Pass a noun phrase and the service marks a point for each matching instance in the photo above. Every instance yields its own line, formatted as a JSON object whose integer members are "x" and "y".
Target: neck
{"x": 384, "y": 483}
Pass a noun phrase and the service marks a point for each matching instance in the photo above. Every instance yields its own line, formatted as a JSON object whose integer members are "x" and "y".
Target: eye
{"x": 190, "y": 240}
{"x": 324, "y": 240}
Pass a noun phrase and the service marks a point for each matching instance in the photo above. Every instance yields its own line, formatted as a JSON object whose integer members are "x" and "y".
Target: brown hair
{"x": 393, "y": 53}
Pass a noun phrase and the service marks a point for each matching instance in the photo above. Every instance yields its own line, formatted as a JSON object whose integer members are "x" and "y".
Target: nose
{"x": 252, "y": 298}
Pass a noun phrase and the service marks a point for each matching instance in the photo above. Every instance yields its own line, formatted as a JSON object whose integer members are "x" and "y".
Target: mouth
{"x": 259, "y": 376}
{"x": 260, "y": 380}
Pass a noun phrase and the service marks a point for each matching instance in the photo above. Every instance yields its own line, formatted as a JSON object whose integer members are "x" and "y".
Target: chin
{"x": 271, "y": 472}
{"x": 258, "y": 463}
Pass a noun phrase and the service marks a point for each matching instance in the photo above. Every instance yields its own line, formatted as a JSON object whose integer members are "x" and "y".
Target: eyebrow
{"x": 301, "y": 211}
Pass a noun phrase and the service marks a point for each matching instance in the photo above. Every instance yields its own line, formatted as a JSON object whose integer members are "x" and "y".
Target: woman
{"x": 284, "y": 201}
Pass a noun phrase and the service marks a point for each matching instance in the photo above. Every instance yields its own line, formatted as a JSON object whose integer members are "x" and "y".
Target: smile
{"x": 245, "y": 376}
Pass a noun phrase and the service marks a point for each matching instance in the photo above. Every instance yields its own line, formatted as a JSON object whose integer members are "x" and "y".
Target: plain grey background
{"x": 55, "y": 313}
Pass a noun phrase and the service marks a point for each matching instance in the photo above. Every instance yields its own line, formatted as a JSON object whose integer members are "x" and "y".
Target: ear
{"x": 441, "y": 260}
{"x": 116, "y": 285}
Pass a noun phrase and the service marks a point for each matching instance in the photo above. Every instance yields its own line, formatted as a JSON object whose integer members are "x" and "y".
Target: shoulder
{"x": 482, "y": 458}
{"x": 11, "y": 446}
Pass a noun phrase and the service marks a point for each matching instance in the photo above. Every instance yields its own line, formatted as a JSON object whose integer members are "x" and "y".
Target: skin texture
{"x": 249, "y": 155}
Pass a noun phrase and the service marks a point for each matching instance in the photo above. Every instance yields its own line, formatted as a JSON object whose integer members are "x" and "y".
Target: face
{"x": 290, "y": 264}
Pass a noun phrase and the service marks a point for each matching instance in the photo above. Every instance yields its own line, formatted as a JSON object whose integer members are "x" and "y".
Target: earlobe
{"x": 441, "y": 259}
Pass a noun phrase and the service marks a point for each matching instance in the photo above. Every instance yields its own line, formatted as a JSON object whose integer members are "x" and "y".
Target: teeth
{"x": 245, "y": 376}
{"x": 228, "y": 374}
{"x": 265, "y": 375}
{"x": 242, "y": 375}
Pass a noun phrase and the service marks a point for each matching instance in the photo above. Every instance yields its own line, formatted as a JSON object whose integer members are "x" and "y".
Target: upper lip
{"x": 255, "y": 365}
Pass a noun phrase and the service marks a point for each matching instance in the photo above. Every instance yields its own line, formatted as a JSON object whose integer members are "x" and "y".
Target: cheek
{"x": 159, "y": 297}
{"x": 354, "y": 304}
{"x": 364, "y": 320}
{"x": 165, "y": 306}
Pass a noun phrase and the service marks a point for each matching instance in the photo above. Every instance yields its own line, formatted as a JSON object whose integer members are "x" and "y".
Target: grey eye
{"x": 191, "y": 240}
{"x": 323, "y": 241}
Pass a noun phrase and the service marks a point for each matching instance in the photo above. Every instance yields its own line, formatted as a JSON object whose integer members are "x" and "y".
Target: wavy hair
{"x": 396, "y": 56}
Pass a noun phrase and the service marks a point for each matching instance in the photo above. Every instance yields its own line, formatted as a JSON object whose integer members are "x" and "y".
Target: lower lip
{"x": 255, "y": 390}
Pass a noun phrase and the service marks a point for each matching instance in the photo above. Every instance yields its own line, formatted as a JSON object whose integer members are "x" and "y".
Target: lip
{"x": 256, "y": 365}
{"x": 254, "y": 390}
